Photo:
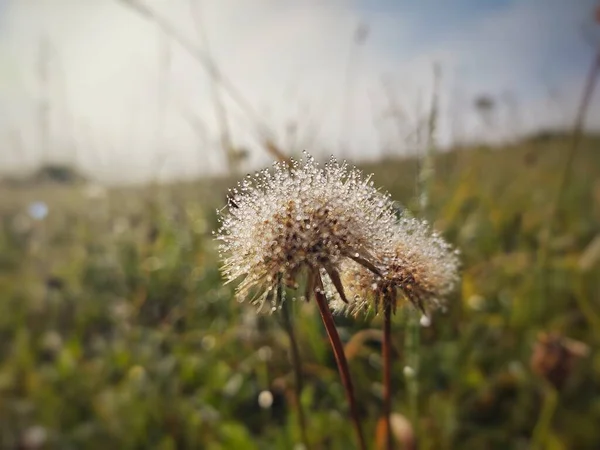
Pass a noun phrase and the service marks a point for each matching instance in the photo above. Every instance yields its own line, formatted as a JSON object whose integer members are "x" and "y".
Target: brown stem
{"x": 586, "y": 98}
{"x": 297, "y": 365}
{"x": 386, "y": 351}
{"x": 340, "y": 358}
{"x": 578, "y": 128}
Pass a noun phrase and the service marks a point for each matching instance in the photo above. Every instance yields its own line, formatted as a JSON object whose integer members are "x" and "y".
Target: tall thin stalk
{"x": 411, "y": 372}
{"x": 219, "y": 105}
{"x": 542, "y": 428}
{"x": 586, "y": 97}
{"x": 288, "y": 326}
{"x": 359, "y": 38}
{"x": 43, "y": 64}
{"x": 340, "y": 358}
{"x": 427, "y": 164}
{"x": 199, "y": 55}
{"x": 387, "y": 372}
{"x": 413, "y": 328}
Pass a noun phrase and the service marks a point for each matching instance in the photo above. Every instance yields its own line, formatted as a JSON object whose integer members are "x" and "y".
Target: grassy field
{"x": 117, "y": 331}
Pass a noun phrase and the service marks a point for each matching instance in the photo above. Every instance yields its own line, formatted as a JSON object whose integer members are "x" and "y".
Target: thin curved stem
{"x": 551, "y": 223}
{"x": 340, "y": 358}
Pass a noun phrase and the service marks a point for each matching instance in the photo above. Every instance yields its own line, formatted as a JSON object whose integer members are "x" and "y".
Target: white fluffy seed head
{"x": 414, "y": 261}
{"x": 296, "y": 217}
{"x": 421, "y": 263}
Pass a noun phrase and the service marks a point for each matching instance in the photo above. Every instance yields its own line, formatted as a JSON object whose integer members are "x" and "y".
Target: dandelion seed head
{"x": 299, "y": 216}
{"x": 414, "y": 261}
{"x": 423, "y": 265}
{"x": 355, "y": 279}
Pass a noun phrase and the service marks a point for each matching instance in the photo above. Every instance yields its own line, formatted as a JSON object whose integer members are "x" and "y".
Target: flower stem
{"x": 297, "y": 366}
{"x": 412, "y": 359}
{"x": 542, "y": 428}
{"x": 340, "y": 358}
{"x": 551, "y": 222}
{"x": 387, "y": 372}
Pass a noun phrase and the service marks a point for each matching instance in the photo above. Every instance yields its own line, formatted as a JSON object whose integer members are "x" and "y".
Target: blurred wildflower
{"x": 38, "y": 210}
{"x": 51, "y": 342}
{"x": 402, "y": 430}
{"x": 299, "y": 219}
{"x": 476, "y": 302}
{"x": 34, "y": 437}
{"x": 554, "y": 356}
{"x": 415, "y": 262}
{"x": 265, "y": 399}
{"x": 408, "y": 371}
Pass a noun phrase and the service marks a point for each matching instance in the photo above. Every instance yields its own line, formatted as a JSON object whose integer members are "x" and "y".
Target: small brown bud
{"x": 554, "y": 356}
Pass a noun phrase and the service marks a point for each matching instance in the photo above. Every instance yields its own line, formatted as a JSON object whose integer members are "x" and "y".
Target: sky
{"x": 125, "y": 103}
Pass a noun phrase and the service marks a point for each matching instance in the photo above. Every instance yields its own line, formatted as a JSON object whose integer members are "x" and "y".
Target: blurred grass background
{"x": 117, "y": 331}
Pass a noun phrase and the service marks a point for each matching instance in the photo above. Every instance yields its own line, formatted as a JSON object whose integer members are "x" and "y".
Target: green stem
{"x": 542, "y": 428}
{"x": 412, "y": 342}
{"x": 296, "y": 364}
{"x": 387, "y": 372}
{"x": 426, "y": 178}
{"x": 585, "y": 306}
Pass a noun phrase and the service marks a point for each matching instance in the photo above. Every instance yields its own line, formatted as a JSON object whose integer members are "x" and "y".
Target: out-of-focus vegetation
{"x": 117, "y": 331}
